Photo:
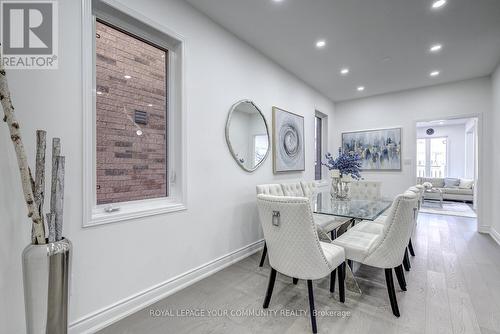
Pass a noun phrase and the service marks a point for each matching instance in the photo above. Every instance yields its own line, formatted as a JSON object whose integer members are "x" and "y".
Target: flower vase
{"x": 46, "y": 270}
{"x": 340, "y": 188}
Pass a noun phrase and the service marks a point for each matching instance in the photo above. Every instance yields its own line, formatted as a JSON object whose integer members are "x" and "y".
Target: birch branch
{"x": 51, "y": 226}
{"x": 56, "y": 151}
{"x": 39, "y": 191}
{"x": 22, "y": 160}
{"x": 59, "y": 194}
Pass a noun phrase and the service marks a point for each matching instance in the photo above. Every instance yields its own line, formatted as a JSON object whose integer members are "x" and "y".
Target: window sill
{"x": 133, "y": 210}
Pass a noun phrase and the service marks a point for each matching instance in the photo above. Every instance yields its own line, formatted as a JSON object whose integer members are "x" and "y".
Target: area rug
{"x": 449, "y": 209}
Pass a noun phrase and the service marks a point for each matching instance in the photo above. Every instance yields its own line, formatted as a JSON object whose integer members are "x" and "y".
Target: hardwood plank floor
{"x": 453, "y": 287}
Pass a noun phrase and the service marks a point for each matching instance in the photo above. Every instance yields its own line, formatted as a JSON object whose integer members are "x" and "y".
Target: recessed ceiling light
{"x": 438, "y": 4}
{"x": 436, "y": 48}
{"x": 434, "y": 73}
{"x": 139, "y": 132}
{"x": 344, "y": 71}
{"x": 321, "y": 44}
{"x": 150, "y": 105}
{"x": 361, "y": 88}
{"x": 127, "y": 76}
{"x": 277, "y": 0}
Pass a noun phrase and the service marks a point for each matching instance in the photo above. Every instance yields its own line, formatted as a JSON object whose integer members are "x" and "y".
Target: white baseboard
{"x": 93, "y": 322}
{"x": 491, "y": 231}
{"x": 483, "y": 229}
{"x": 495, "y": 235}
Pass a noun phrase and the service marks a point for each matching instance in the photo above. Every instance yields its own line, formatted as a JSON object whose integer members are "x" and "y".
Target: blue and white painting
{"x": 288, "y": 141}
{"x": 378, "y": 149}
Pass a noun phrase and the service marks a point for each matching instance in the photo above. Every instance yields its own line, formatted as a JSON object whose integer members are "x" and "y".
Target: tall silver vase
{"x": 46, "y": 270}
{"x": 339, "y": 189}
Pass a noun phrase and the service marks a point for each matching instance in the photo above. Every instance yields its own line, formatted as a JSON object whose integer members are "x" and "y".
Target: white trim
{"x": 117, "y": 14}
{"x": 93, "y": 322}
{"x": 481, "y": 194}
{"x": 495, "y": 235}
{"x": 483, "y": 229}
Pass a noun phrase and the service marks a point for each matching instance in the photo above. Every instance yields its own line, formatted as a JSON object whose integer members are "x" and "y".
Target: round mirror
{"x": 247, "y": 135}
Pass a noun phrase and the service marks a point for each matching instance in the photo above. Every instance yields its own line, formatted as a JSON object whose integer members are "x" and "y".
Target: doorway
{"x": 447, "y": 159}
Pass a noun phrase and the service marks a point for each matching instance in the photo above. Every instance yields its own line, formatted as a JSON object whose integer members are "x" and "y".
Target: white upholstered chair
{"x": 326, "y": 224}
{"x": 383, "y": 245}
{"x": 270, "y": 189}
{"x": 294, "y": 247}
{"x": 382, "y": 218}
{"x": 419, "y": 191}
{"x": 369, "y": 190}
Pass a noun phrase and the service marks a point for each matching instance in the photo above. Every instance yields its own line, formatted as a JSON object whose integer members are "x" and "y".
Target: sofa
{"x": 452, "y": 188}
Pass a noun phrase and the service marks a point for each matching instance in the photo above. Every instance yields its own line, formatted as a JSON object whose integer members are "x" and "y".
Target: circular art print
{"x": 288, "y": 141}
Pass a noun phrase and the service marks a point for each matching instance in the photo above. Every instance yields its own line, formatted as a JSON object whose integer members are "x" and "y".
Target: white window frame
{"x": 428, "y": 167}
{"x": 131, "y": 21}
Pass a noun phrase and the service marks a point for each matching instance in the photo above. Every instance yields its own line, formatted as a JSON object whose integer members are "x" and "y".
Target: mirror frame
{"x": 228, "y": 141}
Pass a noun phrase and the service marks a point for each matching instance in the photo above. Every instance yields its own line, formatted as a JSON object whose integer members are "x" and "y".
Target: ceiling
{"x": 385, "y": 43}
{"x": 444, "y": 122}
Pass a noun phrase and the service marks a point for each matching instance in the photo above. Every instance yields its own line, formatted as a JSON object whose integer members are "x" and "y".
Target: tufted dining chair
{"x": 369, "y": 190}
{"x": 270, "y": 189}
{"x": 383, "y": 245}
{"x": 294, "y": 247}
{"x": 419, "y": 191}
{"x": 326, "y": 224}
{"x": 292, "y": 189}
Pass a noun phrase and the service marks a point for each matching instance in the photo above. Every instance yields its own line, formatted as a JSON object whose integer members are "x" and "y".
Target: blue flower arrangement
{"x": 347, "y": 164}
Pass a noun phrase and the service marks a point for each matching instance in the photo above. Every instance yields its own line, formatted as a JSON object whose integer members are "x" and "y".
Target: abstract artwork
{"x": 378, "y": 149}
{"x": 288, "y": 141}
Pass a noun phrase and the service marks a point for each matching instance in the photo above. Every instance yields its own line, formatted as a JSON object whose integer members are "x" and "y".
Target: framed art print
{"x": 288, "y": 141}
{"x": 378, "y": 149}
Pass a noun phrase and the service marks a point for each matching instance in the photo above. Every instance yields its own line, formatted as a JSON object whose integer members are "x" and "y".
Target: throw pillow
{"x": 466, "y": 184}
{"x": 427, "y": 185}
{"x": 451, "y": 183}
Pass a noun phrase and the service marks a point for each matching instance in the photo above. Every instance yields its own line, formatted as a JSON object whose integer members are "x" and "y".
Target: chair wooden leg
{"x": 263, "y": 257}
{"x": 406, "y": 261}
{"x": 270, "y": 286}
{"x": 332, "y": 280}
{"x": 342, "y": 282}
{"x": 392, "y": 293}
{"x": 401, "y": 277}
{"x": 349, "y": 263}
{"x": 311, "y": 306}
{"x": 295, "y": 280}
{"x": 410, "y": 248}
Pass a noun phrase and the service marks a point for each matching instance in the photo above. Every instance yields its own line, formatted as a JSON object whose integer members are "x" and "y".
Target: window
{"x": 318, "y": 149}
{"x": 260, "y": 145}
{"x": 134, "y": 125}
{"x": 131, "y": 114}
{"x": 432, "y": 156}
{"x": 421, "y": 157}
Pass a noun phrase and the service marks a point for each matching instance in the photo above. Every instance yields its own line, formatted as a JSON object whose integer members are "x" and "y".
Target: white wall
{"x": 495, "y": 180}
{"x": 456, "y": 146}
{"x": 114, "y": 262}
{"x": 403, "y": 109}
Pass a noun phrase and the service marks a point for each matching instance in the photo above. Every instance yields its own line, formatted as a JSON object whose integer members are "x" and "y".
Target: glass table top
{"x": 350, "y": 208}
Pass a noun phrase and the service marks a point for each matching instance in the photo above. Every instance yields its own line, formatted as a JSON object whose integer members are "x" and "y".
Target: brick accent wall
{"x": 131, "y": 158}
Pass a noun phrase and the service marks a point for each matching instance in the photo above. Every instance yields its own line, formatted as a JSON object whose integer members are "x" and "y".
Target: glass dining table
{"x": 354, "y": 210}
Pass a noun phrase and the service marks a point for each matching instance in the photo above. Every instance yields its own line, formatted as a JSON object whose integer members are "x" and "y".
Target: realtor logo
{"x": 29, "y": 34}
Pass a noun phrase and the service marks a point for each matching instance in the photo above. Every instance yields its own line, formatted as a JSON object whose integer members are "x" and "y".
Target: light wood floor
{"x": 453, "y": 287}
